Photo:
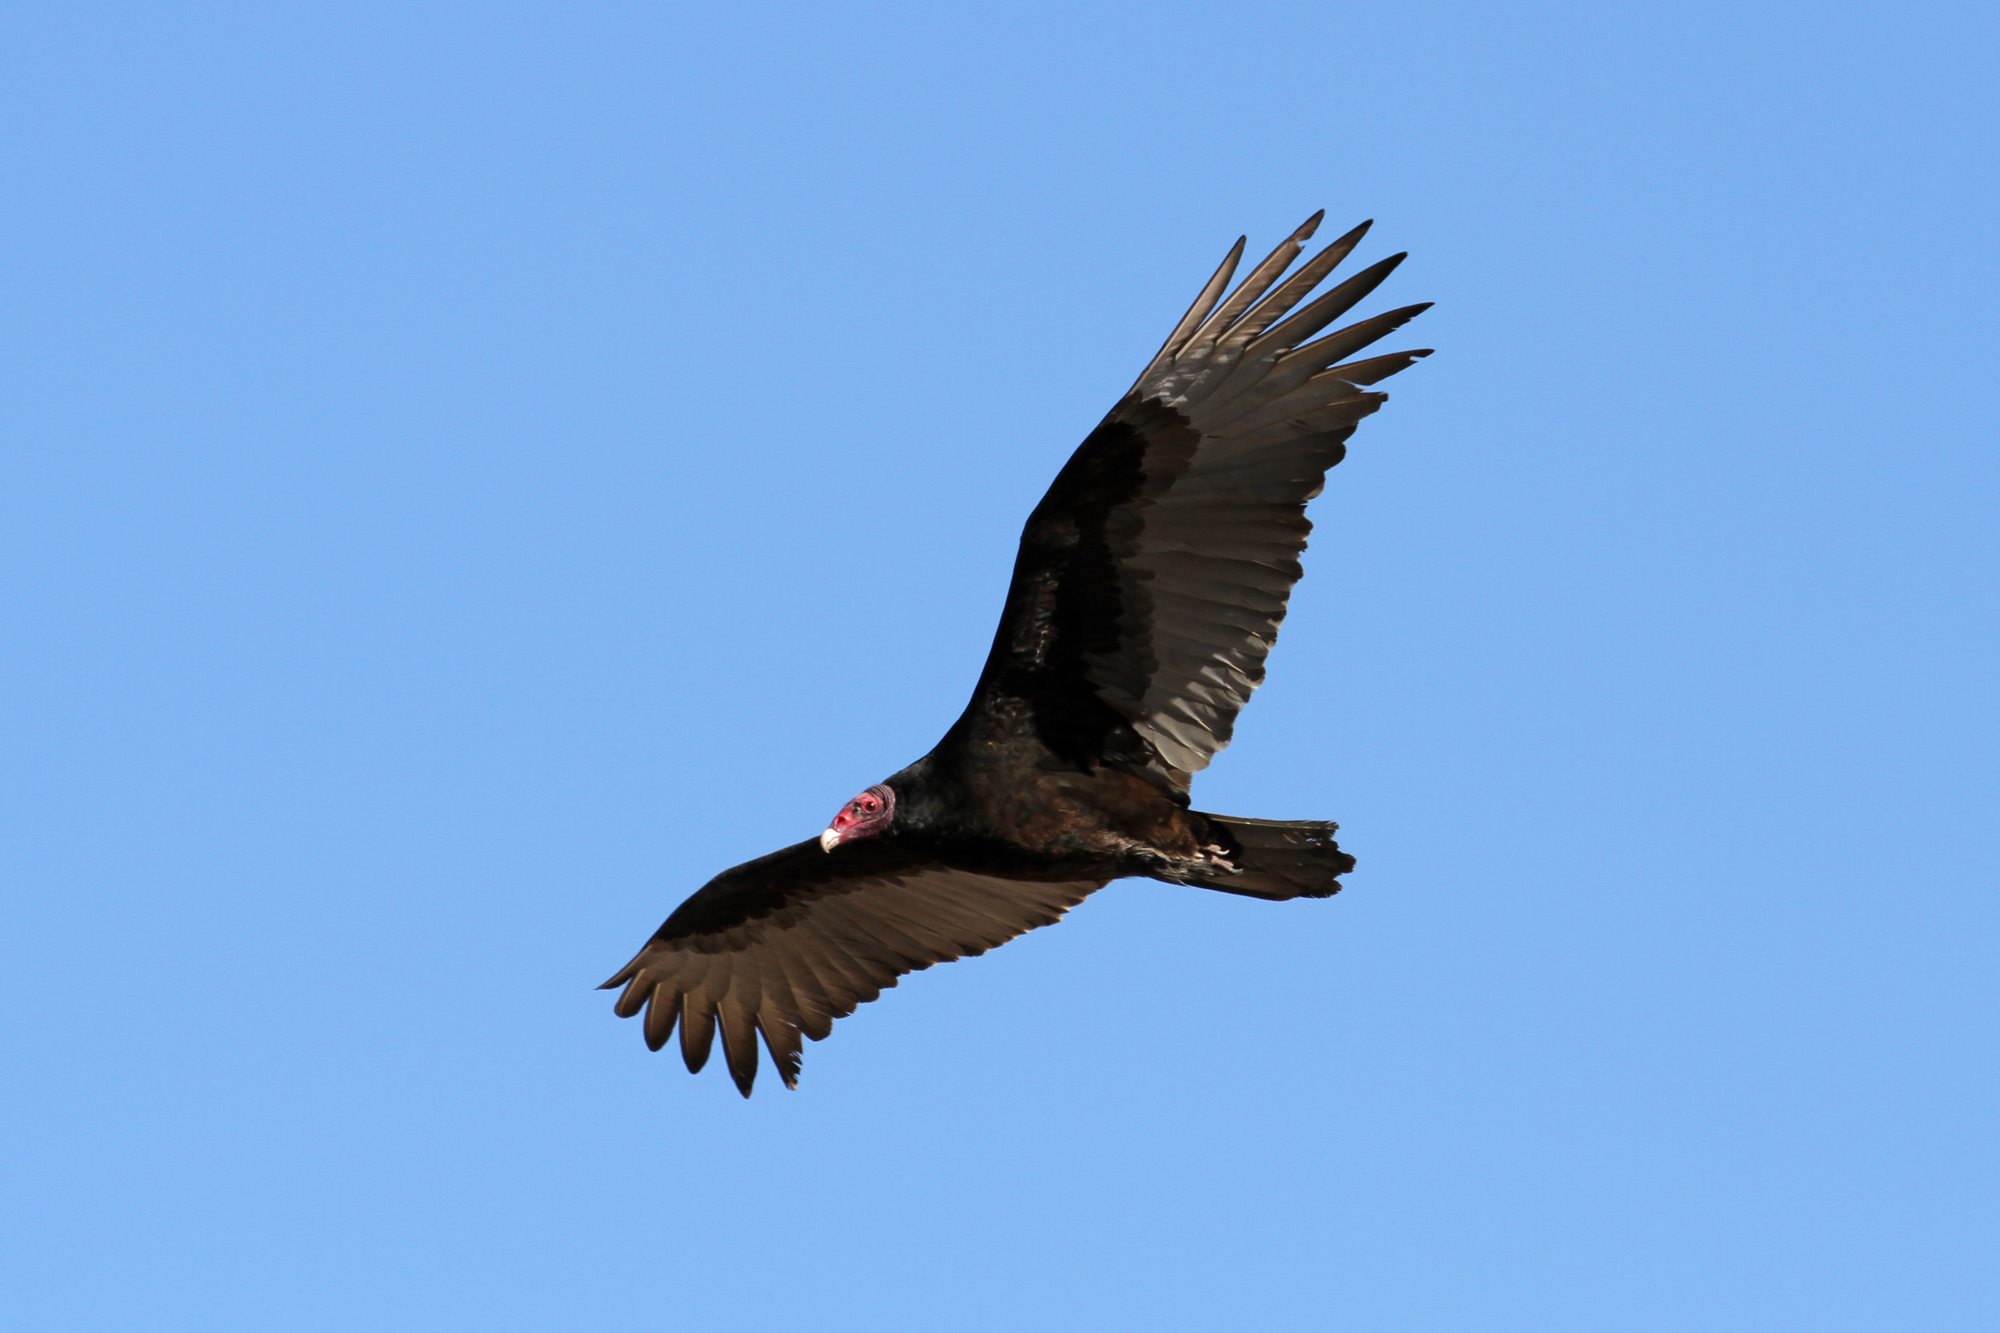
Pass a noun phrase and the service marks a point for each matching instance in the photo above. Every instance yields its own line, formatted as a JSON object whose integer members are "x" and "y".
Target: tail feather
{"x": 1278, "y": 859}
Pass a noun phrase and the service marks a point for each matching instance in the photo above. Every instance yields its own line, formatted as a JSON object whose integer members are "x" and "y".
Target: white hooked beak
{"x": 829, "y": 840}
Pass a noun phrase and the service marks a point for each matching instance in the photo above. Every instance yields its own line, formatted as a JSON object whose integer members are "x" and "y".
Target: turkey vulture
{"x": 1149, "y": 587}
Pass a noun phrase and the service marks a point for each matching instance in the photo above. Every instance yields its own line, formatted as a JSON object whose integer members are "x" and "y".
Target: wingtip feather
{"x": 1378, "y": 368}
{"x": 661, "y": 1011}
{"x": 697, "y": 1035}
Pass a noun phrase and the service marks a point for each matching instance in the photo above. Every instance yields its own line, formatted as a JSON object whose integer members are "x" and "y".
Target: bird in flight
{"x": 1149, "y": 587}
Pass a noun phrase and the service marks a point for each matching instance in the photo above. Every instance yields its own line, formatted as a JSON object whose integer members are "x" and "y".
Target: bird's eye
{"x": 869, "y": 806}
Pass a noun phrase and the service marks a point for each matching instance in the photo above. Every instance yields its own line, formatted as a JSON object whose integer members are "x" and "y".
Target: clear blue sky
{"x": 473, "y": 471}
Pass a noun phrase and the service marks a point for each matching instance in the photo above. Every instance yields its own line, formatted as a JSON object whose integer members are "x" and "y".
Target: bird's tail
{"x": 1277, "y": 858}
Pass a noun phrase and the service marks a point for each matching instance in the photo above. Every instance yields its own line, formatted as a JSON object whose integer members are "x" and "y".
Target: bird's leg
{"x": 1205, "y": 864}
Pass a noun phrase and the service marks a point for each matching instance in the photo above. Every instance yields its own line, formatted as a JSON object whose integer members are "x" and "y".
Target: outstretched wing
{"x": 1153, "y": 576}
{"x": 787, "y": 943}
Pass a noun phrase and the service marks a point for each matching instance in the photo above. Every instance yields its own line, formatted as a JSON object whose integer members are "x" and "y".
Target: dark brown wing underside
{"x": 1154, "y": 575}
{"x": 786, "y": 944}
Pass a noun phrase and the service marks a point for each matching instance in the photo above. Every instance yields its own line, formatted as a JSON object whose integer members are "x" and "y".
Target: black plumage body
{"x": 1148, "y": 589}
